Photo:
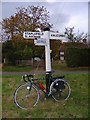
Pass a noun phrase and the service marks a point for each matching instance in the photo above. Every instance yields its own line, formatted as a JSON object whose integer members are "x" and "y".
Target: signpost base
{"x": 48, "y": 81}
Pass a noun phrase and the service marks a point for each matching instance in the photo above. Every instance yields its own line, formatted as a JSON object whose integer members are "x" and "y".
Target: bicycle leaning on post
{"x": 27, "y": 95}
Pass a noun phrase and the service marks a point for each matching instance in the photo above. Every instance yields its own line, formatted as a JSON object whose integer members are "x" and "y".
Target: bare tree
{"x": 70, "y": 33}
{"x": 75, "y": 37}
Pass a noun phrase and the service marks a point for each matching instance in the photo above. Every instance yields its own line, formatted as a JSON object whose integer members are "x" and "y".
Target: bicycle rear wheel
{"x": 26, "y": 96}
{"x": 60, "y": 90}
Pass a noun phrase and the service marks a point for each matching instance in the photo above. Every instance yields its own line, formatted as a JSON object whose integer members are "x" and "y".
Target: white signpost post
{"x": 43, "y": 39}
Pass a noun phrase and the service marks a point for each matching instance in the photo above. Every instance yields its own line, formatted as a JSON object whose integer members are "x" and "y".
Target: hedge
{"x": 76, "y": 57}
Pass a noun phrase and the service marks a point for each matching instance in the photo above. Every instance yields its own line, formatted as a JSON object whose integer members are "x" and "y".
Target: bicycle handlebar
{"x": 30, "y": 77}
{"x": 26, "y": 77}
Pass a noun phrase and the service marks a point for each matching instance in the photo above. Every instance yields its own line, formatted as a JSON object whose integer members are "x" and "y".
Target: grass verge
{"x": 75, "y": 107}
{"x": 16, "y": 68}
{"x": 56, "y": 65}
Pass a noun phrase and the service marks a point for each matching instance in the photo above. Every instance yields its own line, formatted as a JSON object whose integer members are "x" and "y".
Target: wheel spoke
{"x": 26, "y": 97}
{"x": 60, "y": 90}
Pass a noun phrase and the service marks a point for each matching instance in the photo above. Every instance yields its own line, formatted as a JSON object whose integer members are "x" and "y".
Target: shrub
{"x": 76, "y": 57}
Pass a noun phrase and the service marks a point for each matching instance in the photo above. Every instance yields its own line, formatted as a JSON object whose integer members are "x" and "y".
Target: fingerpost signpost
{"x": 43, "y": 39}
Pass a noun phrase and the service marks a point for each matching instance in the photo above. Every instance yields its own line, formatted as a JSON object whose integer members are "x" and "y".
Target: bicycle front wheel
{"x": 60, "y": 90}
{"x": 26, "y": 96}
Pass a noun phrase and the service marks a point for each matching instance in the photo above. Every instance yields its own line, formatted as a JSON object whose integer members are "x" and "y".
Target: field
{"x": 75, "y": 107}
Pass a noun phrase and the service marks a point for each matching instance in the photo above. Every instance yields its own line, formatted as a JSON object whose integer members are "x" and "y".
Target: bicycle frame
{"x": 59, "y": 90}
{"x": 39, "y": 85}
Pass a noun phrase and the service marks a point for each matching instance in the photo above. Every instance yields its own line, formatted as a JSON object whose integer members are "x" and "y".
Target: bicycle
{"x": 27, "y": 95}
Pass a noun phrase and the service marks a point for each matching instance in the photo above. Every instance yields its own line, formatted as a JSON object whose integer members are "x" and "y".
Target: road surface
{"x": 43, "y": 72}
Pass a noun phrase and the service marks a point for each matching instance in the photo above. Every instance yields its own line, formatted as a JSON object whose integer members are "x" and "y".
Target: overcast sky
{"x": 62, "y": 14}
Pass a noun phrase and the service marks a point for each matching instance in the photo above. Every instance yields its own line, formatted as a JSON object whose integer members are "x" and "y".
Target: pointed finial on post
{"x": 46, "y": 29}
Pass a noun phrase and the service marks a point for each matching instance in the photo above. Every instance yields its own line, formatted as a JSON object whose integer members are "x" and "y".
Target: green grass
{"x": 0, "y": 67}
{"x": 75, "y": 107}
{"x": 56, "y": 65}
{"x": 16, "y": 68}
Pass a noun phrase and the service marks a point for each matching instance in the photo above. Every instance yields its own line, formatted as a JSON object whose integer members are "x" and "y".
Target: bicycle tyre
{"x": 26, "y": 97}
{"x": 62, "y": 93}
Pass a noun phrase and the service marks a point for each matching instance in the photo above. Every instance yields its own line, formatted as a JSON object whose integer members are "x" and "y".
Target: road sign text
{"x": 32, "y": 35}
